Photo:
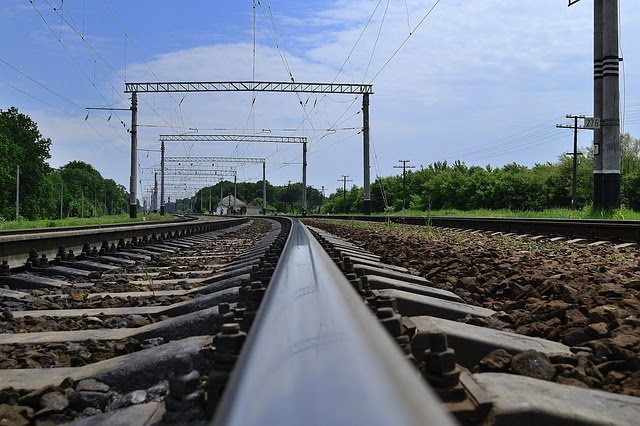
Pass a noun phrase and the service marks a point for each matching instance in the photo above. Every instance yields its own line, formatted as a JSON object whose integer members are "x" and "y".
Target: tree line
{"x": 458, "y": 186}
{"x": 79, "y": 190}
{"x": 75, "y": 189}
{"x": 284, "y": 198}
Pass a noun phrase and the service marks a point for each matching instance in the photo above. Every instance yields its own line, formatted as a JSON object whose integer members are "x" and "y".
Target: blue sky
{"x": 484, "y": 81}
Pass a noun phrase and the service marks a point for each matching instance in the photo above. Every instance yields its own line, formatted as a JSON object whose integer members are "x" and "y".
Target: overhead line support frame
{"x": 253, "y": 86}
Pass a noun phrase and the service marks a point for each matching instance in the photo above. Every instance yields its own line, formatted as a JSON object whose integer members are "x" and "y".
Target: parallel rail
{"x": 4, "y": 233}
{"x": 13, "y": 248}
{"x": 315, "y": 355}
{"x": 590, "y": 229}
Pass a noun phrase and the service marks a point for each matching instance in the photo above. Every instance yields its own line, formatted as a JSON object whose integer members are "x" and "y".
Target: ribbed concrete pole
{"x": 162, "y": 178}
{"x": 17, "y": 192}
{"x": 304, "y": 178}
{"x": 611, "y": 107}
{"x": 134, "y": 156}
{"x": 264, "y": 188}
{"x": 365, "y": 141}
{"x": 597, "y": 103}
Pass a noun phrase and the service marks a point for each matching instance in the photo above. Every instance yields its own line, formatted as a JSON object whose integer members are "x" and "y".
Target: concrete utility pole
{"x": 162, "y": 179}
{"x": 575, "y": 153}
{"x": 154, "y": 199}
{"x": 133, "y": 202}
{"x": 95, "y": 204}
{"x": 82, "y": 200}
{"x": 606, "y": 104}
{"x": 61, "y": 199}
{"x": 597, "y": 102}
{"x": 210, "y": 189}
{"x": 289, "y": 197}
{"x": 404, "y": 168}
{"x": 304, "y": 178}
{"x": 235, "y": 192}
{"x": 344, "y": 192}
{"x": 17, "y": 192}
{"x": 365, "y": 148}
{"x": 321, "y": 198}
{"x": 610, "y": 107}
{"x": 264, "y": 186}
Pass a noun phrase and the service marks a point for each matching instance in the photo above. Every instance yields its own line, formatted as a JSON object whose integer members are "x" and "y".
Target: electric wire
{"x": 405, "y": 40}
{"x": 375, "y": 44}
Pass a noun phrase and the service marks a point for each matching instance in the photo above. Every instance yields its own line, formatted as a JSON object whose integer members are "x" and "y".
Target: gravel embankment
{"x": 585, "y": 297}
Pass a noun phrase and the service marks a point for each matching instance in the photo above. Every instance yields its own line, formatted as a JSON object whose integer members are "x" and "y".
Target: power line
{"x": 75, "y": 61}
{"x": 40, "y": 84}
{"x": 406, "y": 39}
{"x": 373, "y": 51}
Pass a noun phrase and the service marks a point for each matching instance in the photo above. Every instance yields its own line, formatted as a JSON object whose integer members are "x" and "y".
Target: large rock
{"x": 132, "y": 398}
{"x": 575, "y": 336}
{"x": 497, "y": 361}
{"x": 54, "y": 401}
{"x": 533, "y": 364}
{"x": 91, "y": 385}
{"x": 15, "y": 415}
{"x": 83, "y": 399}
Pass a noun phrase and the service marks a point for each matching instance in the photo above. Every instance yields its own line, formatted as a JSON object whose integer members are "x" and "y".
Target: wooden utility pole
{"x": 404, "y": 168}
{"x": 344, "y": 181}
{"x": 575, "y": 153}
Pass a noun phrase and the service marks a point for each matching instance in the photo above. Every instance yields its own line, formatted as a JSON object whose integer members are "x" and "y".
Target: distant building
{"x": 231, "y": 205}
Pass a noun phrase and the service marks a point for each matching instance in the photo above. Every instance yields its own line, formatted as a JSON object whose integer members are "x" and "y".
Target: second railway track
{"x": 152, "y": 330}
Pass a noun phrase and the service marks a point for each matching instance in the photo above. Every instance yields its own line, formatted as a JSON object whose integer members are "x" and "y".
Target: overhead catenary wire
{"x": 424, "y": 18}
{"x": 75, "y": 61}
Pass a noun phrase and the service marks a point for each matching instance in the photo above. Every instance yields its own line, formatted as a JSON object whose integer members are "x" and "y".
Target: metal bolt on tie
{"x": 4, "y": 269}
{"x": 440, "y": 368}
{"x": 386, "y": 301}
{"x": 224, "y": 308}
{"x": 390, "y": 320}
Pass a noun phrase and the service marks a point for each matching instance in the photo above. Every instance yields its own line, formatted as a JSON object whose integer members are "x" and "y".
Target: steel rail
{"x": 622, "y": 231}
{"x": 316, "y": 355}
{"x": 14, "y": 247}
{"x": 178, "y": 219}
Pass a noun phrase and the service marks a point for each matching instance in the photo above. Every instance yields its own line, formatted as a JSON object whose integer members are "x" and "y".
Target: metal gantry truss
{"x": 180, "y": 175}
{"x": 214, "y": 160}
{"x": 245, "y": 138}
{"x": 248, "y": 86}
{"x": 232, "y": 138}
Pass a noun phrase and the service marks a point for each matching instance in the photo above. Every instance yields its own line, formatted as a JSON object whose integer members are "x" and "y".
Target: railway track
{"x": 266, "y": 321}
{"x": 587, "y": 230}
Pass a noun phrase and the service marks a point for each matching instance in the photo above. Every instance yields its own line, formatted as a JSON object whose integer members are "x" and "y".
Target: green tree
{"x": 22, "y": 144}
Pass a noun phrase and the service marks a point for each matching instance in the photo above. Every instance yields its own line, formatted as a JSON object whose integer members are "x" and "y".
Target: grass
{"x": 555, "y": 213}
{"x": 75, "y": 221}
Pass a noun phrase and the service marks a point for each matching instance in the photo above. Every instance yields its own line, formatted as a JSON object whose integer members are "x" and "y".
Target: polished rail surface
{"x": 316, "y": 355}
